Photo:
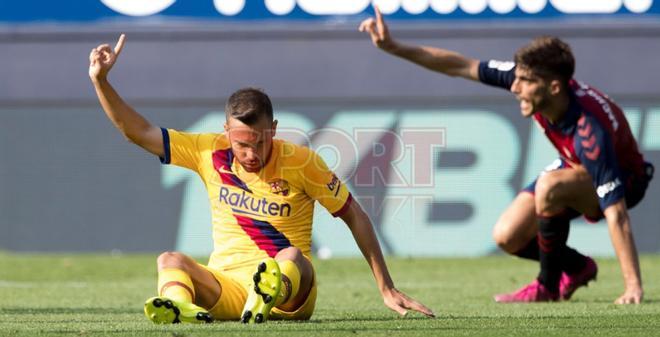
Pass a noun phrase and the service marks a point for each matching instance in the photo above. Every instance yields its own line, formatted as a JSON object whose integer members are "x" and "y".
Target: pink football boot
{"x": 534, "y": 292}
{"x": 569, "y": 283}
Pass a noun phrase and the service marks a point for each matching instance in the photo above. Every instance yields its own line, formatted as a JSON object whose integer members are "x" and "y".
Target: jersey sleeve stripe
{"x": 344, "y": 208}
{"x": 166, "y": 147}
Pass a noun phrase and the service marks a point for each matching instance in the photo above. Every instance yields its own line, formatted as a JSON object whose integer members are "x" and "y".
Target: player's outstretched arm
{"x": 131, "y": 124}
{"x": 360, "y": 225}
{"x": 618, "y": 223}
{"x": 441, "y": 60}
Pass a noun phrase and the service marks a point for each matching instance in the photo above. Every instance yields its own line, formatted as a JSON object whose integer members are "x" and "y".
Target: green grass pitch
{"x": 92, "y": 295}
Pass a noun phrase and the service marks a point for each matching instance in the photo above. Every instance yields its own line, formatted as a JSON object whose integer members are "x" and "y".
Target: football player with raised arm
{"x": 262, "y": 193}
{"x": 600, "y": 173}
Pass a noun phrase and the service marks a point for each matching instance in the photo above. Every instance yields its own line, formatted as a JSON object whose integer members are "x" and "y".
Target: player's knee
{"x": 289, "y": 253}
{"x": 546, "y": 191}
{"x": 172, "y": 260}
{"x": 503, "y": 238}
{"x": 295, "y": 254}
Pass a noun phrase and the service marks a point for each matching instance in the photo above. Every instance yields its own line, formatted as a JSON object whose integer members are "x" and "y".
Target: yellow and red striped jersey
{"x": 255, "y": 215}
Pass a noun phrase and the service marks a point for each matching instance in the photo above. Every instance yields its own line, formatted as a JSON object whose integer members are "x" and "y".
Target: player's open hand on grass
{"x": 377, "y": 29}
{"x": 401, "y": 303}
{"x": 631, "y": 296}
{"x": 103, "y": 57}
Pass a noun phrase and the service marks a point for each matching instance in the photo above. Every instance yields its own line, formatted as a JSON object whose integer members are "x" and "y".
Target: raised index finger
{"x": 379, "y": 17}
{"x": 120, "y": 44}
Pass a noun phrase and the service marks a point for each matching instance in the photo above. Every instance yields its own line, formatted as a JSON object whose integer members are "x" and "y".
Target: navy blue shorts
{"x": 557, "y": 164}
{"x": 635, "y": 187}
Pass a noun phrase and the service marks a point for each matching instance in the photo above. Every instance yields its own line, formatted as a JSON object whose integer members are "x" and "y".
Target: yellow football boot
{"x": 262, "y": 293}
{"x": 162, "y": 310}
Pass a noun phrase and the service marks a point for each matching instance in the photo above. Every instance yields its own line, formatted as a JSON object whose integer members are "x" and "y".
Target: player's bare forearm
{"x": 131, "y": 124}
{"x": 441, "y": 60}
{"x": 363, "y": 232}
{"x": 621, "y": 234}
{"x": 361, "y": 228}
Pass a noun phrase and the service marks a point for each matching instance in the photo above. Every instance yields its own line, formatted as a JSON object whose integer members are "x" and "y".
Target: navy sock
{"x": 571, "y": 261}
{"x": 531, "y": 250}
{"x": 552, "y": 236}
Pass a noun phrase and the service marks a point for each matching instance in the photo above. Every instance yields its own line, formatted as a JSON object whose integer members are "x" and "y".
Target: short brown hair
{"x": 547, "y": 57}
{"x": 249, "y": 105}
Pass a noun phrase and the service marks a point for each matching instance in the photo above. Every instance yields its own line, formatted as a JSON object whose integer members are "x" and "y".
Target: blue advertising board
{"x": 30, "y": 11}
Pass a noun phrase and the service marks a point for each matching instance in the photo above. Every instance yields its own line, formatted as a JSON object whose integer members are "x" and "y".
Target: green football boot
{"x": 262, "y": 293}
{"x": 162, "y": 310}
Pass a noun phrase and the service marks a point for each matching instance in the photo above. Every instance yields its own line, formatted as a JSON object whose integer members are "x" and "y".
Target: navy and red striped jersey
{"x": 593, "y": 133}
